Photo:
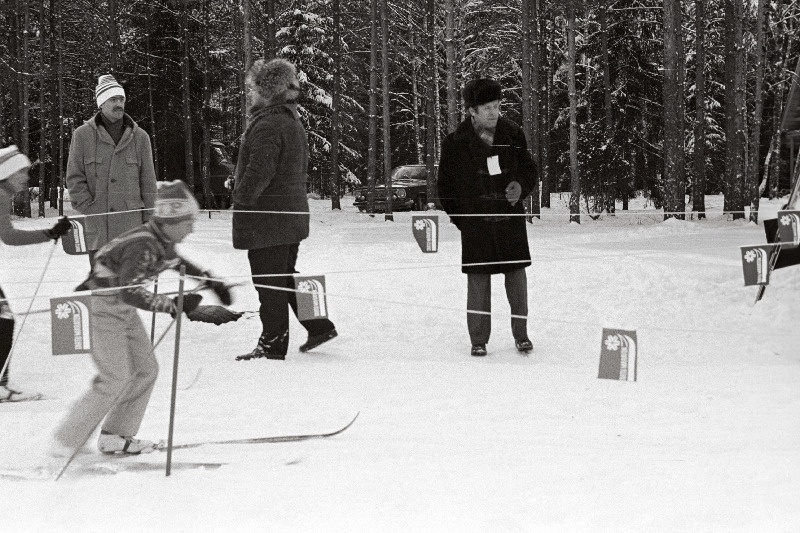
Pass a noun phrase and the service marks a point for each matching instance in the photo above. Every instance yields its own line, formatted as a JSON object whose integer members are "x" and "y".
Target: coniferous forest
{"x": 670, "y": 99}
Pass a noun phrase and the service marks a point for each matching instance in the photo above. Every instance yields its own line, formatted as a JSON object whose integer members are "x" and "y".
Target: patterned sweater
{"x": 134, "y": 258}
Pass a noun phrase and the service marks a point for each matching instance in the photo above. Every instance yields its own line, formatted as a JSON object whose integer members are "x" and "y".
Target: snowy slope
{"x": 707, "y": 439}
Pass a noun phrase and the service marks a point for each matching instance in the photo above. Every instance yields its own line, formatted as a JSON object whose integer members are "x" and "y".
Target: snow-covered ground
{"x": 707, "y": 439}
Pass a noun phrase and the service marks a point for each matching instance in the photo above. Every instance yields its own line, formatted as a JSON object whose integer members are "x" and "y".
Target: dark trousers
{"x": 479, "y": 298}
{"x": 6, "y": 335}
{"x": 265, "y": 263}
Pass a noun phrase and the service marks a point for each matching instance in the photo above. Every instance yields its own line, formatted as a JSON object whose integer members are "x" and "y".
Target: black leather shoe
{"x": 524, "y": 345}
{"x": 315, "y": 340}
{"x": 478, "y": 350}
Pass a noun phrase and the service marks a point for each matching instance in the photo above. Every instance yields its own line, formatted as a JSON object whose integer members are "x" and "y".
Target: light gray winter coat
{"x": 104, "y": 178}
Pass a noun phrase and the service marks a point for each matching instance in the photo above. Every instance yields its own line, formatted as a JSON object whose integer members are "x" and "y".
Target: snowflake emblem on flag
{"x": 786, "y": 220}
{"x": 305, "y": 286}
{"x": 750, "y": 256}
{"x": 612, "y": 343}
{"x": 63, "y": 311}
{"x": 419, "y": 225}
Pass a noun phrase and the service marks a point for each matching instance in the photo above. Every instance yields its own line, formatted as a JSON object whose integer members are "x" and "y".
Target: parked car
{"x": 409, "y": 190}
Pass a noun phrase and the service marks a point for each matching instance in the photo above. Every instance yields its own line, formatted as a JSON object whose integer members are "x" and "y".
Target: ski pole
{"x": 174, "y": 392}
{"x": 30, "y": 306}
{"x": 153, "y": 322}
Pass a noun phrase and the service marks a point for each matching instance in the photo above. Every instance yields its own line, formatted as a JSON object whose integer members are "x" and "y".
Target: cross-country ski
{"x": 162, "y": 446}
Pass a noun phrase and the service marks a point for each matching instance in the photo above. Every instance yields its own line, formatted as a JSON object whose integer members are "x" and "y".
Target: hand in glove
{"x": 190, "y": 303}
{"x": 59, "y": 228}
{"x": 220, "y": 289}
{"x": 213, "y": 314}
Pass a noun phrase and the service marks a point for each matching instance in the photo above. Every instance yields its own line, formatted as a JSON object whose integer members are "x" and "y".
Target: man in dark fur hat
{"x": 485, "y": 172}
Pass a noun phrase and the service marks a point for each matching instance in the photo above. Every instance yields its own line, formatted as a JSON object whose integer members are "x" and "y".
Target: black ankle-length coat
{"x": 466, "y": 187}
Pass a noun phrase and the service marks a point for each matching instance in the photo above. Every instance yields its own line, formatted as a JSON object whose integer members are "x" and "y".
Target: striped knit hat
{"x": 174, "y": 203}
{"x": 11, "y": 162}
{"x": 107, "y": 87}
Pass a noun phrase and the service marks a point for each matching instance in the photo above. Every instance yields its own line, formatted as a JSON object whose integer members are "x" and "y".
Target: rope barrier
{"x": 455, "y": 309}
{"x": 510, "y": 315}
{"x": 632, "y": 213}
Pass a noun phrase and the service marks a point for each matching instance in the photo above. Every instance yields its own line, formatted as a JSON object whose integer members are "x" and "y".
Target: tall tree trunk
{"x": 372, "y": 141}
{"x": 113, "y": 36}
{"x": 247, "y": 34}
{"x": 42, "y": 128}
{"x": 547, "y": 65}
{"x": 60, "y": 92}
{"x": 415, "y": 99}
{"x": 151, "y": 107}
{"x": 527, "y": 118}
{"x": 187, "y": 107}
{"x": 608, "y": 117}
{"x": 755, "y": 136}
{"x": 337, "y": 76}
{"x": 270, "y": 42}
{"x": 777, "y": 106}
{"x": 14, "y": 85}
{"x": 243, "y": 55}
{"x": 533, "y": 204}
{"x": 22, "y": 200}
{"x": 431, "y": 112}
{"x": 387, "y": 136}
{"x": 52, "y": 81}
{"x": 205, "y": 156}
{"x": 674, "y": 174}
{"x": 734, "y": 103}
{"x": 575, "y": 181}
{"x": 452, "y": 69}
{"x": 525, "y": 37}
{"x": 699, "y": 167}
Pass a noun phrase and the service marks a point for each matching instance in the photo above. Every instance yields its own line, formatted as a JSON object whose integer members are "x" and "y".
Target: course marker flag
{"x": 789, "y": 227}
{"x": 619, "y": 355}
{"x": 74, "y": 241}
{"x": 755, "y": 263}
{"x": 426, "y": 232}
{"x": 311, "y": 297}
{"x": 71, "y": 324}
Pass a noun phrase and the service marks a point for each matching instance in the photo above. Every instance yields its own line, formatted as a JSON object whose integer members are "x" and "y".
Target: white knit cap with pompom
{"x": 12, "y": 161}
{"x": 174, "y": 203}
{"x": 107, "y": 87}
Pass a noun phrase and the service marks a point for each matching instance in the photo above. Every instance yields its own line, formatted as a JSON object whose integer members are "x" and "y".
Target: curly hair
{"x": 270, "y": 78}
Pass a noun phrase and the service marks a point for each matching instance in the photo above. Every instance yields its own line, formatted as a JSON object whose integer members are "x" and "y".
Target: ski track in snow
{"x": 707, "y": 439}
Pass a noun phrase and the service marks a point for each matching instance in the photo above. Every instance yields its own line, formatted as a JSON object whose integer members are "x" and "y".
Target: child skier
{"x": 121, "y": 348}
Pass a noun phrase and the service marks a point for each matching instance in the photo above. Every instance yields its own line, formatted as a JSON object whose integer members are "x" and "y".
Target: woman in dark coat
{"x": 485, "y": 172}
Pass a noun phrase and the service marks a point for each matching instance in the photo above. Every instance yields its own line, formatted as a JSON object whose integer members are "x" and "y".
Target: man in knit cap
{"x": 13, "y": 179}
{"x": 110, "y": 171}
{"x": 121, "y": 347}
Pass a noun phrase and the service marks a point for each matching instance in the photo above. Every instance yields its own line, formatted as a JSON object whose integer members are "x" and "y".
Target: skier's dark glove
{"x": 220, "y": 289}
{"x": 190, "y": 302}
{"x": 59, "y": 228}
{"x": 214, "y": 314}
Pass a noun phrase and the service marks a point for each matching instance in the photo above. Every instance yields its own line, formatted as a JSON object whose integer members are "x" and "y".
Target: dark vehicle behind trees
{"x": 409, "y": 191}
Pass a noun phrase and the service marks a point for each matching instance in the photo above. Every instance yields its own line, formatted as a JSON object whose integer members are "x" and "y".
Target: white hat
{"x": 12, "y": 161}
{"x": 174, "y": 203}
{"x": 107, "y": 87}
